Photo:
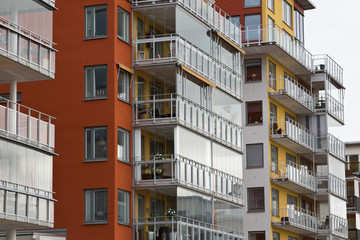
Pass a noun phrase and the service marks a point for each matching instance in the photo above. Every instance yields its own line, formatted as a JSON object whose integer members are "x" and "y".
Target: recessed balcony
{"x": 334, "y": 225}
{"x": 292, "y": 135}
{"x": 324, "y": 63}
{"x": 294, "y": 219}
{"x": 172, "y": 49}
{"x": 24, "y": 55}
{"x": 175, "y": 109}
{"x": 331, "y": 184}
{"x": 291, "y": 176}
{"x": 353, "y": 204}
{"x": 291, "y": 94}
{"x": 330, "y": 144}
{"x": 170, "y": 170}
{"x": 273, "y": 40}
{"x": 26, "y": 125}
{"x": 327, "y": 103}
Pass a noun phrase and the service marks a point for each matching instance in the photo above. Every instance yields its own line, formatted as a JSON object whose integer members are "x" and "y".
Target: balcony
{"x": 332, "y": 184}
{"x": 26, "y": 55}
{"x": 291, "y": 176}
{"x": 354, "y": 234}
{"x": 176, "y": 227}
{"x": 292, "y": 135}
{"x": 294, "y": 219}
{"x": 174, "y": 49}
{"x": 353, "y": 204}
{"x": 327, "y": 103}
{"x": 25, "y": 206}
{"x": 277, "y": 43}
{"x": 330, "y": 144}
{"x": 334, "y": 225}
{"x": 26, "y": 125}
{"x": 175, "y": 109}
{"x": 324, "y": 63}
{"x": 208, "y": 13}
{"x": 291, "y": 94}
{"x": 170, "y": 170}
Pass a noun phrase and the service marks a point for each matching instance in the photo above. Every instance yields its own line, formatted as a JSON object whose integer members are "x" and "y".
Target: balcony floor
{"x": 290, "y": 103}
{"x": 10, "y": 222}
{"x": 285, "y": 183}
{"x": 291, "y": 227}
{"x": 290, "y": 144}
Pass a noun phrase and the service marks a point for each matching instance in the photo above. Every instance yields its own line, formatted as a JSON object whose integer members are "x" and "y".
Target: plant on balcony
{"x": 170, "y": 213}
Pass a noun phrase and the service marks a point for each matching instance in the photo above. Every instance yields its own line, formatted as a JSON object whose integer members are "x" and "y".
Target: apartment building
{"x": 352, "y": 153}
{"x": 27, "y": 135}
{"x": 294, "y": 173}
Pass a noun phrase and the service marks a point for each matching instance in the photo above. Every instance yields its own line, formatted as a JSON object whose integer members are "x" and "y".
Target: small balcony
{"x": 291, "y": 94}
{"x": 26, "y": 125}
{"x": 274, "y": 41}
{"x": 170, "y": 170}
{"x": 334, "y": 225}
{"x": 330, "y": 144}
{"x": 292, "y": 135}
{"x": 327, "y": 103}
{"x": 27, "y": 56}
{"x": 353, "y": 204}
{"x": 294, "y": 219}
{"x": 176, "y": 109}
{"x": 176, "y": 227}
{"x": 291, "y": 176}
{"x": 332, "y": 184}
{"x": 324, "y": 63}
{"x": 175, "y": 49}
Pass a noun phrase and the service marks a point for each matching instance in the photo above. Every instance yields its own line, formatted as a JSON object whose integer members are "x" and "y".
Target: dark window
{"x": 252, "y": 3}
{"x": 252, "y": 24}
{"x": 123, "y": 207}
{"x": 95, "y": 143}
{"x": 276, "y": 236}
{"x": 96, "y": 206}
{"x": 274, "y": 159}
{"x": 256, "y": 199}
{"x": 275, "y": 202}
{"x": 290, "y": 159}
{"x": 96, "y": 21}
{"x": 96, "y": 81}
{"x": 123, "y": 85}
{"x": 253, "y": 70}
{"x": 254, "y": 112}
{"x": 254, "y": 155}
{"x": 256, "y": 235}
{"x": 272, "y": 75}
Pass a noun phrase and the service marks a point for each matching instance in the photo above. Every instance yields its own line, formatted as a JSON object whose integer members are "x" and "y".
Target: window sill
{"x": 253, "y": 81}
{"x": 289, "y": 27}
{"x": 128, "y": 43}
{"x": 95, "y": 223}
{"x": 260, "y": 167}
{"x": 95, "y": 37}
{"x": 252, "y": 6}
{"x": 94, "y": 160}
{"x": 94, "y": 98}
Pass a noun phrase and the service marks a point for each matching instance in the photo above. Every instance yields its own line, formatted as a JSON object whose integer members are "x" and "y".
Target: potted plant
{"x": 151, "y": 228}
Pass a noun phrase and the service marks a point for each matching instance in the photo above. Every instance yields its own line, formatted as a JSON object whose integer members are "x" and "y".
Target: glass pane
{"x": 100, "y": 143}
{"x": 252, "y": 3}
{"x": 2, "y": 200}
{"x": 100, "y": 205}
{"x": 253, "y": 70}
{"x": 89, "y": 82}
{"x": 252, "y": 23}
{"x": 123, "y": 86}
{"x": 32, "y": 210}
{"x": 88, "y": 147}
{"x": 10, "y": 203}
{"x": 21, "y": 204}
{"x": 100, "y": 81}
{"x": 101, "y": 21}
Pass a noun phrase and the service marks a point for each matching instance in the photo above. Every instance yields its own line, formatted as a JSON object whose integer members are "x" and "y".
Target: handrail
{"x": 330, "y": 104}
{"x": 330, "y": 143}
{"x": 335, "y": 225}
{"x": 333, "y": 184}
{"x": 324, "y": 62}
{"x": 16, "y": 187}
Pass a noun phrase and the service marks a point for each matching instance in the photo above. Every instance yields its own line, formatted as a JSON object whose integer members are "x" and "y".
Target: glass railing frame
{"x": 333, "y": 184}
{"x": 330, "y": 66}
{"x": 333, "y": 145}
{"x": 332, "y": 224}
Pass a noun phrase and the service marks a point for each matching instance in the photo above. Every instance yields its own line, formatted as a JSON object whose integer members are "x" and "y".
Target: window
{"x": 254, "y": 155}
{"x": 291, "y": 200}
{"x": 353, "y": 162}
{"x": 95, "y": 143}
{"x": 95, "y": 21}
{"x": 256, "y": 235}
{"x": 275, "y": 202}
{"x": 252, "y": 3}
{"x": 140, "y": 32}
{"x": 252, "y": 24}
{"x": 253, "y": 70}
{"x": 96, "y": 81}
{"x": 123, "y": 86}
{"x": 274, "y": 159}
{"x": 270, "y": 4}
{"x": 272, "y": 29}
{"x": 256, "y": 199}
{"x": 123, "y": 207}
{"x": 287, "y": 16}
{"x": 95, "y": 206}
{"x": 290, "y": 159}
{"x": 123, "y": 145}
{"x": 123, "y": 24}
{"x": 254, "y": 112}
{"x": 292, "y": 238}
{"x": 299, "y": 26}
{"x": 272, "y": 75}
{"x": 276, "y": 236}
{"x": 273, "y": 113}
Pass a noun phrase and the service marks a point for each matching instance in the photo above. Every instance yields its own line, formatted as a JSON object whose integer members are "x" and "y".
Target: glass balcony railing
{"x": 160, "y": 169}
{"x": 208, "y": 13}
{"x": 332, "y": 184}
{"x": 353, "y": 204}
{"x": 331, "y": 144}
{"x": 158, "y": 109}
{"x": 295, "y": 216}
{"x": 257, "y": 34}
{"x": 326, "y": 63}
{"x": 334, "y": 225}
{"x": 294, "y": 131}
{"x": 26, "y": 204}
{"x": 331, "y": 105}
{"x": 176, "y": 227}
{"x": 289, "y": 86}
{"x": 174, "y": 48}
{"x": 26, "y": 125}
{"x": 27, "y": 48}
{"x": 294, "y": 173}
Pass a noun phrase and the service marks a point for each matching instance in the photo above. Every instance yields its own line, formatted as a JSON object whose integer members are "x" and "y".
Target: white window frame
{"x": 94, "y": 94}
{"x": 123, "y": 25}
{"x": 123, "y": 152}
{"x": 253, "y": 5}
{"x": 270, "y": 4}
{"x": 124, "y": 218}
{"x": 90, "y": 24}
{"x": 90, "y": 205}
{"x": 92, "y": 130}
{"x": 123, "y": 80}
{"x": 287, "y": 13}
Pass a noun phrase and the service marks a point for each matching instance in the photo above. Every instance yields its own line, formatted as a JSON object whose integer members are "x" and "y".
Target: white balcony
{"x": 26, "y": 125}
{"x": 324, "y": 63}
{"x": 334, "y": 225}
{"x": 294, "y": 219}
{"x": 26, "y": 55}
{"x": 291, "y": 176}
{"x": 176, "y": 109}
{"x": 291, "y": 94}
{"x": 274, "y": 41}
{"x": 327, "y": 103}
{"x": 330, "y": 144}
{"x": 174, "y": 49}
{"x": 208, "y": 13}
{"x": 170, "y": 170}
{"x": 332, "y": 184}
{"x": 292, "y": 135}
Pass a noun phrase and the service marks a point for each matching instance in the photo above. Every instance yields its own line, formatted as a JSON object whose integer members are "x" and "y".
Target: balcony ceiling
{"x": 290, "y": 144}
{"x": 11, "y": 224}
{"x": 285, "y": 183}
{"x": 306, "y": 4}
{"x": 290, "y": 103}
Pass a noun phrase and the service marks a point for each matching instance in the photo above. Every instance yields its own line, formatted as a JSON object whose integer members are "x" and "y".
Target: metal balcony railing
{"x": 353, "y": 204}
{"x": 257, "y": 34}
{"x": 325, "y": 63}
{"x": 291, "y": 87}
{"x": 331, "y": 144}
{"x": 294, "y": 131}
{"x": 295, "y": 216}
{"x": 177, "y": 227}
{"x": 27, "y": 48}
{"x": 208, "y": 13}
{"x": 168, "y": 48}
{"x": 157, "y": 109}
{"x": 26, "y": 125}
{"x": 176, "y": 169}
{"x": 294, "y": 173}
{"x": 334, "y": 225}
{"x": 332, "y": 184}
{"x": 331, "y": 105}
